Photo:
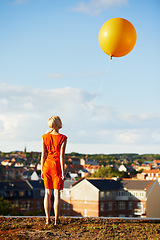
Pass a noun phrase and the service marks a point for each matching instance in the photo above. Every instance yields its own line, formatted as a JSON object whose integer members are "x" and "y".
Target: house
{"x": 89, "y": 162}
{"x": 145, "y": 197}
{"x": 31, "y": 175}
{"x": 74, "y": 160}
{"x": 91, "y": 168}
{"x": 143, "y": 167}
{"x": 19, "y": 165}
{"x": 157, "y": 163}
{"x": 73, "y": 168}
{"x": 66, "y": 206}
{"x": 83, "y": 173}
{"x": 26, "y": 175}
{"x": 152, "y": 174}
{"x": 108, "y": 197}
{"x": 6, "y": 162}
{"x": 71, "y": 171}
{"x": 25, "y": 196}
{"x": 87, "y": 195}
{"x": 19, "y": 193}
{"x": 36, "y": 175}
{"x": 39, "y": 166}
{"x": 38, "y": 191}
{"x": 122, "y": 168}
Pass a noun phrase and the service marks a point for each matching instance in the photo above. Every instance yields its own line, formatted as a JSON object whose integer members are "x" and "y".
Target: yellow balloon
{"x": 117, "y": 37}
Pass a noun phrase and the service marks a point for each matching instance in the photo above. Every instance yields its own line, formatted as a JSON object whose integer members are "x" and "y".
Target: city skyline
{"x": 52, "y": 64}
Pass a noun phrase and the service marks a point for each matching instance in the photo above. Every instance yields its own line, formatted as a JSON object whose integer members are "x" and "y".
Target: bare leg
{"x": 56, "y": 203}
{"x": 47, "y": 202}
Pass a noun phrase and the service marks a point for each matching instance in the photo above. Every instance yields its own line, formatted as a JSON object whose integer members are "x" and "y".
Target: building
{"x": 91, "y": 168}
{"x": 19, "y": 194}
{"x": 89, "y": 162}
{"x": 111, "y": 198}
{"x": 152, "y": 174}
{"x": 122, "y": 168}
{"x": 66, "y": 206}
{"x": 31, "y": 175}
{"x": 26, "y": 196}
{"x": 88, "y": 197}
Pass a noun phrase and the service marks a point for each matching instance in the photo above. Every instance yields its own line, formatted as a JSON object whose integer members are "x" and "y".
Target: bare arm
{"x": 62, "y": 158}
{"x": 43, "y": 156}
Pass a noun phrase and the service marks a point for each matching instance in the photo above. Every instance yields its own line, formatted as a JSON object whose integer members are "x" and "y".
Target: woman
{"x": 52, "y": 165}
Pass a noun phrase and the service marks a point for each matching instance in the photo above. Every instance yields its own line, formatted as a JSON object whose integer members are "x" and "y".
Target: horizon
{"x": 80, "y": 153}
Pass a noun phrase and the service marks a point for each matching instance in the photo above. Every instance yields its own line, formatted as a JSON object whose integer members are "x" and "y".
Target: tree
{"x": 5, "y": 206}
{"x": 108, "y": 172}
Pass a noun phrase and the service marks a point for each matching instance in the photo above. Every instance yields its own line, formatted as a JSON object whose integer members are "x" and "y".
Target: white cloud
{"x": 54, "y": 75}
{"x": 24, "y": 112}
{"x": 85, "y": 74}
{"x": 20, "y": 1}
{"x": 94, "y": 7}
{"x": 130, "y": 136}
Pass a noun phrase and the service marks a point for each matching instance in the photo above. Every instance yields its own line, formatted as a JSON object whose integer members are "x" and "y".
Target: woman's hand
{"x": 63, "y": 178}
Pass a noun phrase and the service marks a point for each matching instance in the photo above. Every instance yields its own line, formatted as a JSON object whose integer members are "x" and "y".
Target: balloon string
{"x": 100, "y": 86}
{"x": 102, "y": 82}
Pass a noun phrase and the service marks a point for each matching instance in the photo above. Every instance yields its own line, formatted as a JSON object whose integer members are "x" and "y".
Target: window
{"x": 102, "y": 206}
{"x": 107, "y": 193}
{"x": 130, "y": 205}
{"x": 23, "y": 205}
{"x": 63, "y": 205}
{"x": 139, "y": 205}
{"x": 21, "y": 193}
{"x": 122, "y": 193}
{"x": 102, "y": 194}
{"x": 135, "y": 194}
{"x": 68, "y": 206}
{"x": 110, "y": 206}
{"x": 121, "y": 205}
{"x": 141, "y": 194}
{"x": 15, "y": 203}
{"x": 11, "y": 194}
{"x": 29, "y": 193}
{"x": 15, "y": 193}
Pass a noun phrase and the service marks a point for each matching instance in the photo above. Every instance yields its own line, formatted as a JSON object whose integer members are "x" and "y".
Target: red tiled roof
{"x": 151, "y": 171}
{"x": 157, "y": 161}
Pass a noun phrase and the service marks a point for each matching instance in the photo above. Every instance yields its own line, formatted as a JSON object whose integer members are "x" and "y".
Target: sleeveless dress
{"x": 52, "y": 168}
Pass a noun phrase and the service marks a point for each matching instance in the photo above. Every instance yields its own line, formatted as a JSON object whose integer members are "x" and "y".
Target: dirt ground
{"x": 78, "y": 228}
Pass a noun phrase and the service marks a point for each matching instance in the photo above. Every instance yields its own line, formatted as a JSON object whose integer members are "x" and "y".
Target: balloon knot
{"x": 110, "y": 57}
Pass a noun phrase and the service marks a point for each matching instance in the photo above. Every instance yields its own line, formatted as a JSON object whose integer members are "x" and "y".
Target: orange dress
{"x": 52, "y": 168}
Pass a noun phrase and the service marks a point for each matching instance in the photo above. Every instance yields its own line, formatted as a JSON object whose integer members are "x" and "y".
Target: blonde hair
{"x": 54, "y": 122}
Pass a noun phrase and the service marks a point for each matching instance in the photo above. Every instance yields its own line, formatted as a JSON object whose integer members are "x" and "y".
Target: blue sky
{"x": 51, "y": 64}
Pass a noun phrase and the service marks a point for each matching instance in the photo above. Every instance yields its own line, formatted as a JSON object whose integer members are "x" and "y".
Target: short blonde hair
{"x": 54, "y": 122}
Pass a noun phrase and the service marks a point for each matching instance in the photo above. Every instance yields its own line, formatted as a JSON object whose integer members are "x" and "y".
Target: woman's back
{"x": 53, "y": 144}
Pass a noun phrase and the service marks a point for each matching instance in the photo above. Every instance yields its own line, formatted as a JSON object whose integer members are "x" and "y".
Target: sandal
{"x": 48, "y": 221}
